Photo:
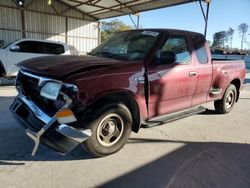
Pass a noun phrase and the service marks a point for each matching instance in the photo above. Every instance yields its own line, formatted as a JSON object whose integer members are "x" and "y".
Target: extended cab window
{"x": 178, "y": 45}
{"x": 201, "y": 52}
{"x": 31, "y": 47}
{"x": 52, "y": 48}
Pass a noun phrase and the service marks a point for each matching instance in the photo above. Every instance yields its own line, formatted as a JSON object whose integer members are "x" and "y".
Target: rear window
{"x": 201, "y": 51}
{"x": 52, "y": 48}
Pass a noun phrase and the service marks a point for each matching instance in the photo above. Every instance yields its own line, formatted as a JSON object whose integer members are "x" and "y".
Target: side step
{"x": 172, "y": 117}
{"x": 215, "y": 91}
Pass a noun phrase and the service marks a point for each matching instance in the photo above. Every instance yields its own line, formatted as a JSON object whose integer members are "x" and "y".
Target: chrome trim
{"x": 37, "y": 112}
{"x": 42, "y": 80}
{"x": 73, "y": 133}
{"x": 215, "y": 91}
{"x": 140, "y": 79}
{"x": 66, "y": 130}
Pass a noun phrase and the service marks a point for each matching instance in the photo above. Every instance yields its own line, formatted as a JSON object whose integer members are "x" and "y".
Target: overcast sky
{"x": 223, "y": 14}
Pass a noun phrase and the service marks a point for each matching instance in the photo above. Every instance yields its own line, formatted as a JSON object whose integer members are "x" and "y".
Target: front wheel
{"x": 111, "y": 127}
{"x": 225, "y": 105}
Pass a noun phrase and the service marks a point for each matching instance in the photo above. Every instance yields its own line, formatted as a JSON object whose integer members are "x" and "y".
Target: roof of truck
{"x": 172, "y": 31}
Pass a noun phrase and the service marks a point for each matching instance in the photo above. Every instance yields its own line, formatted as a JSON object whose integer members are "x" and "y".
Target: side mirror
{"x": 15, "y": 48}
{"x": 167, "y": 57}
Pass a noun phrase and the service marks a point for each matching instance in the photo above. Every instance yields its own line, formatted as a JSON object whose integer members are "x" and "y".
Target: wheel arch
{"x": 125, "y": 98}
{"x": 236, "y": 82}
{"x": 2, "y": 69}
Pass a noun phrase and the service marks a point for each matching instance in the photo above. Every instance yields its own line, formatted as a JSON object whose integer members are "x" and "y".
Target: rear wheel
{"x": 225, "y": 105}
{"x": 111, "y": 127}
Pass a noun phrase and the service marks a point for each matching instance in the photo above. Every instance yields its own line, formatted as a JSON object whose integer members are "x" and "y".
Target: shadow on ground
{"x": 196, "y": 164}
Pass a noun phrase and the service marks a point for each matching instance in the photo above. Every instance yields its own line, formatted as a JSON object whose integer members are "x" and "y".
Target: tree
{"x": 111, "y": 27}
{"x": 242, "y": 30}
{"x": 219, "y": 40}
{"x": 209, "y": 43}
{"x": 230, "y": 34}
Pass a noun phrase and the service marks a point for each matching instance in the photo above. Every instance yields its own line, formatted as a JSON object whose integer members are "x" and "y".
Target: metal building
{"x": 72, "y": 21}
{"x": 58, "y": 22}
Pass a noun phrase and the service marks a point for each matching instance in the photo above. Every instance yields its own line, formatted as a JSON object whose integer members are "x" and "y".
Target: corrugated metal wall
{"x": 45, "y": 22}
{"x": 10, "y": 24}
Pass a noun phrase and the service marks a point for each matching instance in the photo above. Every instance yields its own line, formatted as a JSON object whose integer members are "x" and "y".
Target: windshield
{"x": 128, "y": 45}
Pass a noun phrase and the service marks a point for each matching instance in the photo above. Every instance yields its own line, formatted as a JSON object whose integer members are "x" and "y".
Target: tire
{"x": 111, "y": 126}
{"x": 225, "y": 105}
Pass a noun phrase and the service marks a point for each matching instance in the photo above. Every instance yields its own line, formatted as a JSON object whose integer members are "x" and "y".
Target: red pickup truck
{"x": 137, "y": 78}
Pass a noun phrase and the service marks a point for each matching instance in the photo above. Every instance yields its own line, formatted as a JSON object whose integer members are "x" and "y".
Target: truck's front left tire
{"x": 111, "y": 126}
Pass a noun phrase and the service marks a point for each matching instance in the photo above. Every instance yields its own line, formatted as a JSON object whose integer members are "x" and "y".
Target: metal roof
{"x": 100, "y": 9}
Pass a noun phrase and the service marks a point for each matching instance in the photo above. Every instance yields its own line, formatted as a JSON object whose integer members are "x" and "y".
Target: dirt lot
{"x": 205, "y": 150}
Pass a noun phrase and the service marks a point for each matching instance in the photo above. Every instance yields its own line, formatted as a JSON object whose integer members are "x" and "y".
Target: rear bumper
{"x": 40, "y": 127}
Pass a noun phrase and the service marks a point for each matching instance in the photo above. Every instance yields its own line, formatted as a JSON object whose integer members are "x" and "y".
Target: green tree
{"x": 209, "y": 43}
{"x": 242, "y": 28}
{"x": 219, "y": 40}
{"x": 111, "y": 27}
{"x": 230, "y": 34}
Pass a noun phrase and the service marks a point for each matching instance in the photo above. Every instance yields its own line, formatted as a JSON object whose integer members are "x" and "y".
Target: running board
{"x": 215, "y": 91}
{"x": 172, "y": 117}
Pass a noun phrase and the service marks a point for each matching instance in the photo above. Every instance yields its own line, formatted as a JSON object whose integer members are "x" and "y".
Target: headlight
{"x": 51, "y": 90}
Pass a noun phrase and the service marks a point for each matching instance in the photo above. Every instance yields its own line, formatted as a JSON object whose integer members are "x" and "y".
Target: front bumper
{"x": 42, "y": 128}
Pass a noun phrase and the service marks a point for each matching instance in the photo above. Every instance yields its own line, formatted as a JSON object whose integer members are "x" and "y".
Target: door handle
{"x": 192, "y": 73}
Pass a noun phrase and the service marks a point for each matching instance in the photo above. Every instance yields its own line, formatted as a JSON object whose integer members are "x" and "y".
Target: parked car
{"x": 23, "y": 49}
{"x": 97, "y": 100}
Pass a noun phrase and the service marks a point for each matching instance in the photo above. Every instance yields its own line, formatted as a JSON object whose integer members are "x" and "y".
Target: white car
{"x": 23, "y": 49}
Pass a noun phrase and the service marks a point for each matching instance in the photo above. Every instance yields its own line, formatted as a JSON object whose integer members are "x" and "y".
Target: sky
{"x": 223, "y": 14}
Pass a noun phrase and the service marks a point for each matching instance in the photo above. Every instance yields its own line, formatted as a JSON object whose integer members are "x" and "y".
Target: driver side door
{"x": 172, "y": 86}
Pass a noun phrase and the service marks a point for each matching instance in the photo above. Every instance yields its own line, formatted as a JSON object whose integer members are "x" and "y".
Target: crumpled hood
{"x": 62, "y": 66}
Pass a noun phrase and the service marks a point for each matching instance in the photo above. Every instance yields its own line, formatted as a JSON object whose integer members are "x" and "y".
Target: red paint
{"x": 171, "y": 87}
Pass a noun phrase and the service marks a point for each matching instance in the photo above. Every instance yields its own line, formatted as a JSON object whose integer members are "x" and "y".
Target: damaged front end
{"x": 47, "y": 109}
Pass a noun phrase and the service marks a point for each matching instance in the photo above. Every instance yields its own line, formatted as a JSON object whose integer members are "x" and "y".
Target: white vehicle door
{"x": 21, "y": 51}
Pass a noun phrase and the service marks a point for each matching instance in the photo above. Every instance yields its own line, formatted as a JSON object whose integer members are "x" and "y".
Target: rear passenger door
{"x": 204, "y": 70}
{"x": 172, "y": 85}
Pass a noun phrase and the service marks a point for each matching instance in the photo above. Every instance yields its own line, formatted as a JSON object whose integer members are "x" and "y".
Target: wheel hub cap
{"x": 110, "y": 129}
{"x": 230, "y": 99}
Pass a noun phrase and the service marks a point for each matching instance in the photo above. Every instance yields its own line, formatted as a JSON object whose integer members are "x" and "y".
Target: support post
{"x": 206, "y": 21}
{"x": 99, "y": 32}
{"x": 23, "y": 23}
{"x": 138, "y": 21}
{"x": 66, "y": 30}
{"x": 205, "y": 16}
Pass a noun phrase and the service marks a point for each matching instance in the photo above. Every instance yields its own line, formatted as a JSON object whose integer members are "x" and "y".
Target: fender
{"x": 134, "y": 104}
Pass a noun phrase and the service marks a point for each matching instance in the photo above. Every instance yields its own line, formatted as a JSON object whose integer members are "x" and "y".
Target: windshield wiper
{"x": 106, "y": 54}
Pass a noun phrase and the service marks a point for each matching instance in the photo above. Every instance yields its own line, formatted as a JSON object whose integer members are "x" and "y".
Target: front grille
{"x": 30, "y": 88}
{"x": 29, "y": 85}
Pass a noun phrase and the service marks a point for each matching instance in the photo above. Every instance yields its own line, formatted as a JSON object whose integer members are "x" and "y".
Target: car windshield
{"x": 127, "y": 45}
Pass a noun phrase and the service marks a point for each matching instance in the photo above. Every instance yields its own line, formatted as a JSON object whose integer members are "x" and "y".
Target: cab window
{"x": 178, "y": 46}
{"x": 201, "y": 52}
{"x": 31, "y": 47}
